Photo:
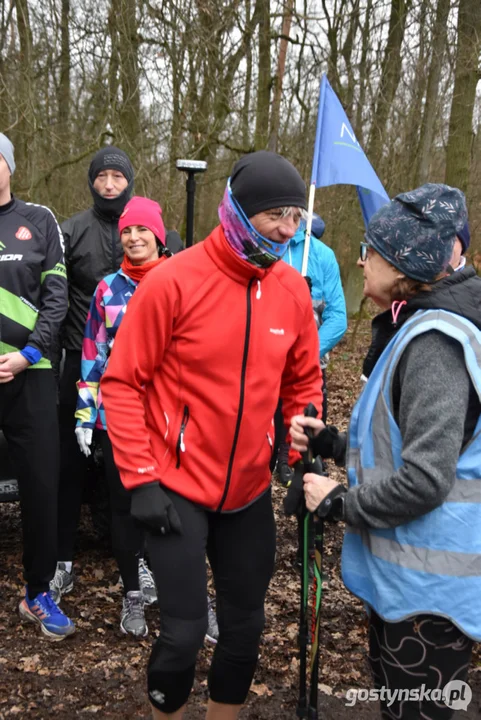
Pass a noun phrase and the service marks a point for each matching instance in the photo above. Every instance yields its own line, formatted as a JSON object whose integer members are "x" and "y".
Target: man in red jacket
{"x": 207, "y": 346}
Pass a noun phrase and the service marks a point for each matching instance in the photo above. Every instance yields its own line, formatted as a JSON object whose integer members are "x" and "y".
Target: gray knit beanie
{"x": 6, "y": 150}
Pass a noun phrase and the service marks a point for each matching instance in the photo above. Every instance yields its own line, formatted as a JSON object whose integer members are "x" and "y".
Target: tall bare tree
{"x": 390, "y": 74}
{"x": 128, "y": 49}
{"x": 25, "y": 128}
{"x": 278, "y": 80}
{"x": 468, "y": 74}
{"x": 264, "y": 76}
{"x": 426, "y": 135}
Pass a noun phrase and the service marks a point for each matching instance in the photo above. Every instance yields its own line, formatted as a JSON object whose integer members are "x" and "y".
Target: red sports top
{"x": 208, "y": 344}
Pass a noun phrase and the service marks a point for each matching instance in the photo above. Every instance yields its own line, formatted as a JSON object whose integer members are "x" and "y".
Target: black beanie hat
{"x": 111, "y": 158}
{"x": 264, "y": 180}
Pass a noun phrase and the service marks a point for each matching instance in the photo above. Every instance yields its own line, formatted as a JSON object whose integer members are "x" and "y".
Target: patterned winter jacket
{"x": 107, "y": 309}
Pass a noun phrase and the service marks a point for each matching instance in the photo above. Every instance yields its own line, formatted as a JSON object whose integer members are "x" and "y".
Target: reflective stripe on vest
{"x": 431, "y": 564}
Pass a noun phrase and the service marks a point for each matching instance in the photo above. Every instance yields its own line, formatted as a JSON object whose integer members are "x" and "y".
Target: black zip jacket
{"x": 33, "y": 283}
{"x": 92, "y": 251}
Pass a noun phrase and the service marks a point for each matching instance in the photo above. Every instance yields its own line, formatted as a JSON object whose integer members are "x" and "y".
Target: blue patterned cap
{"x": 465, "y": 236}
{"x": 416, "y": 231}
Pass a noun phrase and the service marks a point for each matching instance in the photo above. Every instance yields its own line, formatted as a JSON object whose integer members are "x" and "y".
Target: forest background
{"x": 213, "y": 79}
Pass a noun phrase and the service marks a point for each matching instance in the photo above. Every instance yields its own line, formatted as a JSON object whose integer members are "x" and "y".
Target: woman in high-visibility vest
{"x": 412, "y": 548}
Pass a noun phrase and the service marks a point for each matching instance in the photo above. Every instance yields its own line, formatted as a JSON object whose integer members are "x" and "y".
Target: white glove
{"x": 84, "y": 439}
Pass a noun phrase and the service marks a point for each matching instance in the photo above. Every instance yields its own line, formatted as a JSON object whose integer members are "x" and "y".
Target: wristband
{"x": 31, "y": 354}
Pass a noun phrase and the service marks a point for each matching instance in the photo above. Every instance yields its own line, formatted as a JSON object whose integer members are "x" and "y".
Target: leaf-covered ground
{"x": 99, "y": 672}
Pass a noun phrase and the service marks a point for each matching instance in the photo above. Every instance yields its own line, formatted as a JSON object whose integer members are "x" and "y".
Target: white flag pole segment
{"x": 307, "y": 241}
{"x": 315, "y": 163}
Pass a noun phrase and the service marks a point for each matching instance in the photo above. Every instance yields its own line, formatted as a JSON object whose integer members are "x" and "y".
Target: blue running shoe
{"x": 44, "y": 611}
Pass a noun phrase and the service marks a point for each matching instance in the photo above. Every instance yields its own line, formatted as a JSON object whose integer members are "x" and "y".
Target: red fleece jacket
{"x": 208, "y": 344}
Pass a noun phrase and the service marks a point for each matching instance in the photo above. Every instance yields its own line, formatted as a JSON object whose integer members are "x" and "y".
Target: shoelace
{"x": 57, "y": 580}
{"x": 134, "y": 607}
{"x": 145, "y": 575}
{"x": 48, "y": 605}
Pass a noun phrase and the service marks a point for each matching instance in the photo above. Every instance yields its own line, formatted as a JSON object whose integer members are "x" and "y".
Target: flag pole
{"x": 307, "y": 240}
{"x": 312, "y": 187}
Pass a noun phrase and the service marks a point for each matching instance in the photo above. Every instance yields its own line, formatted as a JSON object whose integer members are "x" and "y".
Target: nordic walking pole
{"x": 316, "y": 620}
{"x": 305, "y": 710}
{"x": 301, "y": 711}
{"x": 191, "y": 167}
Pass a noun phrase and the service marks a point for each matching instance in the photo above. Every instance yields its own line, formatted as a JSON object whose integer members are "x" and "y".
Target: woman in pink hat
{"x": 142, "y": 235}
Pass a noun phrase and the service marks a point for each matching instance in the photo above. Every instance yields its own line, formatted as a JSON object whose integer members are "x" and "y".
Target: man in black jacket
{"x": 33, "y": 303}
{"x": 92, "y": 251}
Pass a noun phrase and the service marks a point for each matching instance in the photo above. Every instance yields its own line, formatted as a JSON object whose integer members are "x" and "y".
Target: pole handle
{"x": 308, "y": 460}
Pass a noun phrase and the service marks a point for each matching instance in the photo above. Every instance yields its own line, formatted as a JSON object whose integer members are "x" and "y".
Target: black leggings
{"x": 127, "y": 536}
{"x": 74, "y": 466}
{"x": 425, "y": 650}
{"x": 28, "y": 418}
{"x": 241, "y": 551}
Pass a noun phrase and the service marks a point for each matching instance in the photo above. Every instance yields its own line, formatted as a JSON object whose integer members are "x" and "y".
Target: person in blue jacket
{"x": 326, "y": 288}
{"x": 329, "y": 309}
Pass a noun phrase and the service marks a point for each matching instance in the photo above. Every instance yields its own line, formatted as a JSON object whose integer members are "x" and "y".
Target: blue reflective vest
{"x": 431, "y": 564}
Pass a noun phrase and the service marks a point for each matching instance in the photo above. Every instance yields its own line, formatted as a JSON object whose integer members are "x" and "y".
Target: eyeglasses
{"x": 297, "y": 214}
{"x": 364, "y": 246}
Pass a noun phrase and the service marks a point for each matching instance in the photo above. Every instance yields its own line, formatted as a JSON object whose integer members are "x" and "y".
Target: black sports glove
{"x": 332, "y": 507}
{"x": 295, "y": 490}
{"x": 330, "y": 443}
{"x": 153, "y": 508}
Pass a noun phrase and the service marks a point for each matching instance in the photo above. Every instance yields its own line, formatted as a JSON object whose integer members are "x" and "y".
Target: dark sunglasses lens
{"x": 363, "y": 252}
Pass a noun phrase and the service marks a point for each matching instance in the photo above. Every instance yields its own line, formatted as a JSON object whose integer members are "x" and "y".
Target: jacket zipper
{"x": 180, "y": 440}
{"x": 241, "y": 397}
{"x": 113, "y": 232}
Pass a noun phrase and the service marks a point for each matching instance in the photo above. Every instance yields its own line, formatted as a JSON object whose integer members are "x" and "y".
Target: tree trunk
{"x": 264, "y": 76}
{"x": 246, "y": 136}
{"x": 390, "y": 75}
{"x": 431, "y": 104}
{"x": 129, "y": 72}
{"x": 363, "y": 73}
{"x": 346, "y": 51}
{"x": 63, "y": 95}
{"x": 458, "y": 158}
{"x": 281, "y": 64}
{"x": 25, "y": 128}
{"x": 5, "y": 76}
{"x": 113, "y": 71}
{"x": 407, "y": 165}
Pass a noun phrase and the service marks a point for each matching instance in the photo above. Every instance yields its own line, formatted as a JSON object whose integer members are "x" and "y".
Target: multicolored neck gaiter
{"x": 243, "y": 238}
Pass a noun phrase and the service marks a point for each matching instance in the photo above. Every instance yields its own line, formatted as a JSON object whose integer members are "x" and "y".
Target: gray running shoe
{"x": 61, "y": 583}
{"x": 212, "y": 634}
{"x": 147, "y": 583}
{"x": 132, "y": 618}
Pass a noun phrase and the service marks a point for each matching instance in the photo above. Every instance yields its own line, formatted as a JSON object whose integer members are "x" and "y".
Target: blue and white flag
{"x": 338, "y": 157}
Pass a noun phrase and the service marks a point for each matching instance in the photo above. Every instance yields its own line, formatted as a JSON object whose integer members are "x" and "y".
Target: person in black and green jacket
{"x": 33, "y": 304}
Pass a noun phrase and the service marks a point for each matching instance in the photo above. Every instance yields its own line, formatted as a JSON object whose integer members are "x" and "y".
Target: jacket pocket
{"x": 180, "y": 447}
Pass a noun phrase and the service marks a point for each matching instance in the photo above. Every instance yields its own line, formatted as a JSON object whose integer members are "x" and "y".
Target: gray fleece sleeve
{"x": 434, "y": 398}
